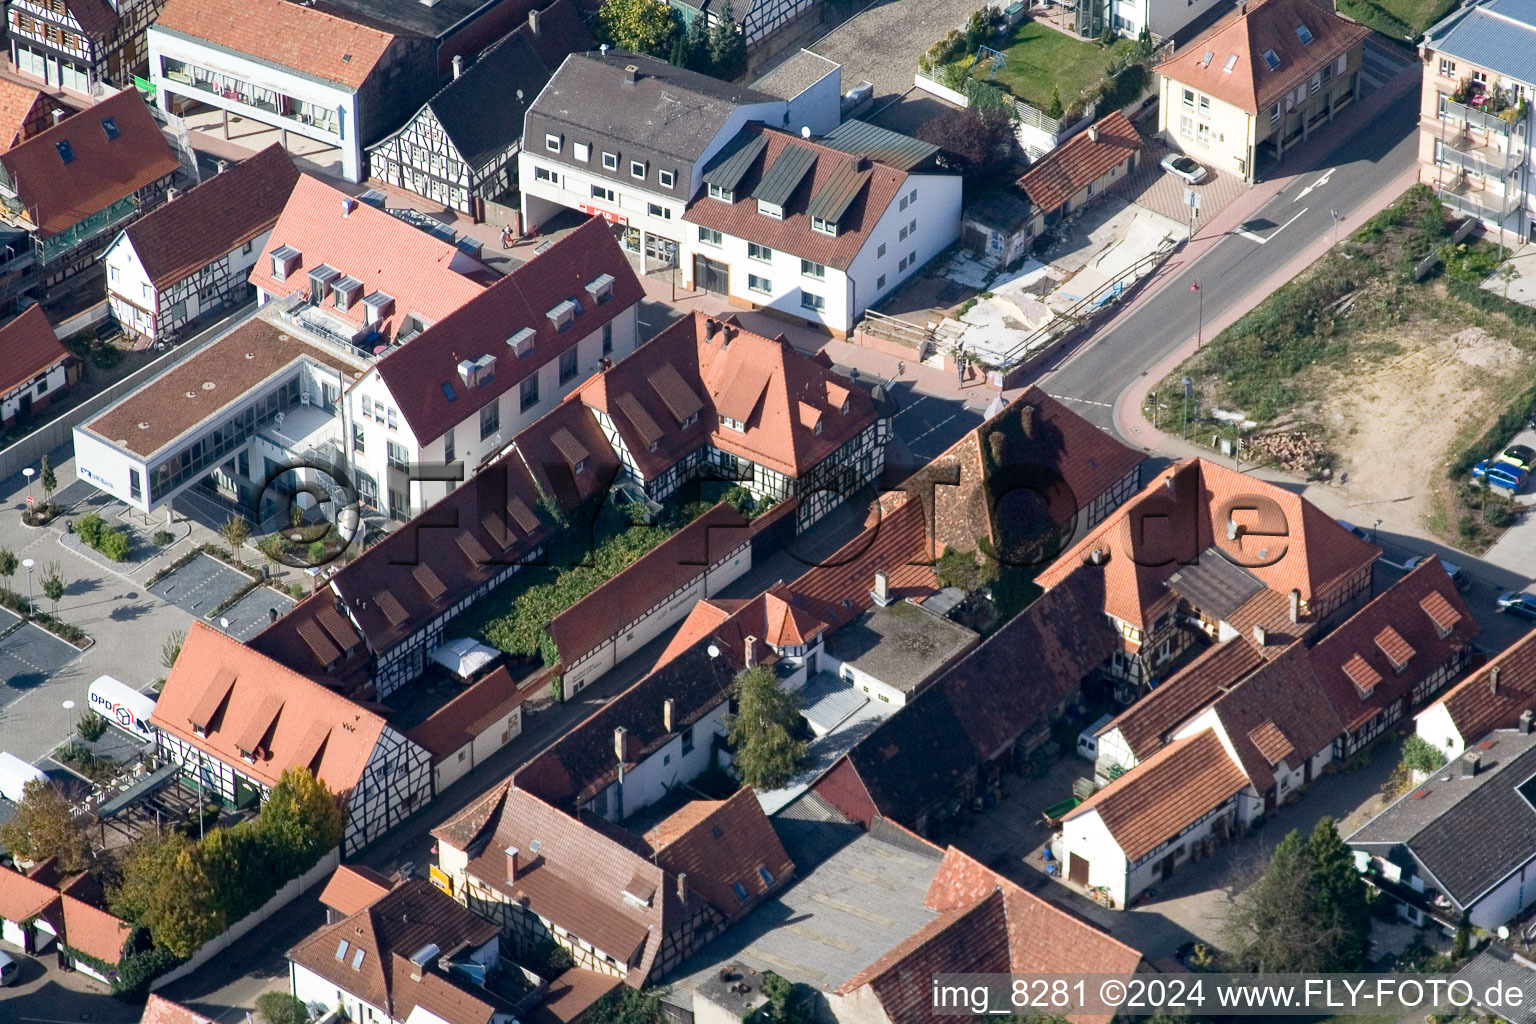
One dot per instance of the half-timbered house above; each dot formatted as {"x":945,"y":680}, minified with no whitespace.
{"x":194,"y":257}
{"x":25,"y":112}
{"x":35,"y":367}
{"x":80,"y":44}
{"x":234,"y":720}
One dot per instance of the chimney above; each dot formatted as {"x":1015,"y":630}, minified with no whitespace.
{"x":1493,"y":681}
{"x":1526,"y":718}
{"x":1471,"y":761}
{"x":631,"y":74}
{"x":272,"y":614}
{"x":1295,"y":607}
{"x":1231,"y":529}
{"x":668,"y":714}
{"x":59,"y":114}
{"x":171,"y":194}
{"x":749,"y":651}
{"x":458,"y":65}
{"x":619,"y":735}
{"x":682,"y":887}
{"x":511,"y":864}
{"x":1260,"y":635}
{"x":533,"y":23}
{"x":220,"y":166}
{"x":348,"y":204}
{"x":1093,"y":133}
{"x":882,"y":591}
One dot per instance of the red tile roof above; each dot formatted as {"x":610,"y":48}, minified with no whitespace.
{"x":291,"y":36}
{"x":1146,"y":724}
{"x":1278,"y":712}
{"x":56,"y":194}
{"x":1284,"y":540}
{"x":1169,"y":791}
{"x":22,"y":898}
{"x":1268,"y":25}
{"x":793,"y":233}
{"x":28,"y":347}
{"x":485,"y":702}
{"x":18,"y":105}
{"x":1071,"y":167}
{"x":215,"y":218}
{"x":416,"y":373}
{"x":426,"y":276}
{"x":352,"y":887}
{"x":1477,"y":705}
{"x":570,"y":994}
{"x":227,"y":686}
{"x":720,"y":844}
{"x":717,"y":368}
{"x":89,"y":929}
{"x":160,"y":1010}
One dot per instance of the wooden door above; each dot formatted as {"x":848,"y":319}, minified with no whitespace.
{"x":1077,"y":869}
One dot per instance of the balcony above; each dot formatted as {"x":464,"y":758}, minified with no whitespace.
{"x":239,"y":91}
{"x":1486,"y":205}
{"x":1476,"y":117}
{"x":1486,"y":161}
{"x":358,"y":342}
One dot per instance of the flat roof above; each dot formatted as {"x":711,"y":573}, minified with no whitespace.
{"x":432,"y":20}
{"x":190,"y":392}
{"x":795,"y":75}
{"x":902,"y":644}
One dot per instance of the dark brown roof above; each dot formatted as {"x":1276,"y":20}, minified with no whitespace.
{"x":28,"y":347}
{"x":720,"y":844}
{"x":94,"y":17}
{"x":1278,"y":712}
{"x":102,"y":168}
{"x":1477,"y":705}
{"x":214,"y":218}
{"x":1071,"y":167}
{"x":483,"y":703}
{"x":570,"y":994}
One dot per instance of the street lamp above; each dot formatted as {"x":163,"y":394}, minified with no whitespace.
{"x":1374,"y":525}
{"x":31,"y":606}
{"x":69,"y":706}
{"x":1199,"y":323}
{"x":29,"y":472}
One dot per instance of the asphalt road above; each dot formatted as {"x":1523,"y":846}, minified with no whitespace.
{"x":1092,"y":378}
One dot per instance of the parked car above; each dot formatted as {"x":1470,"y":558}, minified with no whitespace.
{"x":1360,"y":532}
{"x":1519,"y":603}
{"x":1450,"y":567}
{"x":1522,"y":455}
{"x":1182,"y":166}
{"x":1500,"y":474}
{"x":10,"y":970}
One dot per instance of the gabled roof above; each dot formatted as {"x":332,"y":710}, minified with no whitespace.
{"x":722,"y":844}
{"x":716,"y":368}
{"x":808,"y":179}
{"x":353,"y":887}
{"x":1269,"y":26}
{"x":1071,"y":167}
{"x":425,"y":275}
{"x":17,"y":103}
{"x":28,"y":347}
{"x":482,"y":704}
{"x":226,"y":686}
{"x":1339,"y":659}
{"x":213,"y":219}
{"x":1172,"y":789}
{"x":1494,"y":696}
{"x":160,"y":1010}
{"x":1277,"y":713}
{"x":485,"y":324}
{"x":95,"y":18}
{"x":295,"y":37}
{"x":915,"y":762}
{"x":369,"y":952}
{"x":482,"y":110}
{"x":88,"y":929}
{"x":1499,"y":35}
{"x":1146,"y":724}
{"x":102,"y":167}
{"x":1284,"y":540}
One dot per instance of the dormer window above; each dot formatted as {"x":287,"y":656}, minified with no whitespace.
{"x":1304,"y":34}
{"x":563,"y":315}
{"x":582,"y":151}
{"x":725,"y":195}
{"x":610,"y":161}
{"x":378,"y":306}
{"x":1272,"y":59}
{"x":637,"y":169}
{"x":824,"y":226}
{"x":522,"y":341}
{"x":552,"y":142}
{"x":773,"y":210}
{"x":600,"y":288}
{"x":320,"y":280}
{"x":845,"y":407}
{"x":285,"y":260}
{"x":688,"y":421}
{"x":737,"y":425}
{"x":666,"y":179}
{"x":347,"y":291}
{"x":817,"y":428}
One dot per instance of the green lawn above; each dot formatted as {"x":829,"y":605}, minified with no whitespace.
{"x":1396,"y":18}
{"x":1041,"y":59}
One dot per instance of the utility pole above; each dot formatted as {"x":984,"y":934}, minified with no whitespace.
{"x":1200,"y":315}
{"x":1189,"y":389}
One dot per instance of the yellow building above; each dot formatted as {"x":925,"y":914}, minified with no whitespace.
{"x":1260,"y":83}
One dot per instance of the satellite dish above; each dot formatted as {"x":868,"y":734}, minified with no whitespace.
{"x":224,"y":622}
{"x":713,"y":651}
{"x":805,"y":131}
{"x":1503,"y":932}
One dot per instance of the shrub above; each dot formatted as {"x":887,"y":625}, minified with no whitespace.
{"x":1422,"y":756}
{"x":282,"y":1008}
{"x":91,"y":727}
{"x":89,"y":528}
{"x":163,"y":538}
{"x":296,"y":591}
{"x":136,"y":970}
{"x":107,"y":357}
{"x":116,"y":545}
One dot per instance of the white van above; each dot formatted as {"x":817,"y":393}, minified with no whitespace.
{"x":10,"y":970}
{"x":1088,"y":739}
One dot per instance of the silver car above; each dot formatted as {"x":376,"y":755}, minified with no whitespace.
{"x":1182,"y":166}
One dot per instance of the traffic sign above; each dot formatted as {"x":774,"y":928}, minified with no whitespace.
{"x":1192,"y":199}
{"x":29,"y":499}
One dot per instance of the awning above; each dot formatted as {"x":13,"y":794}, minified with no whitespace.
{"x":463,"y":657}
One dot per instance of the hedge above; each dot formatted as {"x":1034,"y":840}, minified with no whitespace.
{"x":1510,"y":422}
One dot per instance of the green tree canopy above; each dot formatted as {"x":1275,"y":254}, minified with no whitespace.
{"x":182,"y":913}
{"x":967,"y":570}
{"x":727,"y":46}
{"x":303,"y":818}
{"x":762,"y":732}
{"x":44,"y":826}
{"x":147,"y":861}
{"x":642,"y":26}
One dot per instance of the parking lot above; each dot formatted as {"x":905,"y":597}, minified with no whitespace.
{"x":251,"y":614}
{"x":201,"y":585}
{"x":29,"y":655}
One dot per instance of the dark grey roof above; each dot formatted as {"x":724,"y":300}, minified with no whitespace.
{"x":1214,"y":585}
{"x":1499,"y":35}
{"x":731,"y":164}
{"x":903,"y":645}
{"x":411,"y":15}
{"x":811,"y":830}
{"x":481,"y":110}
{"x":1496,"y":965}
{"x":797,"y":74}
{"x":1468,"y":833}
{"x":890,"y":148}
{"x":839,"y":191}
{"x":779,"y":182}
{"x":668,"y":117}
{"x":1002,"y":208}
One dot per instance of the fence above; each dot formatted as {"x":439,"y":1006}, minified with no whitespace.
{"x":287,"y":894}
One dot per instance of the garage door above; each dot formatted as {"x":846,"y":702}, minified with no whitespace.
{"x":711,"y":275}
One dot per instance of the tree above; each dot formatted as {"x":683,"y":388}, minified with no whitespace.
{"x":625,"y":1005}
{"x":727,"y":46}
{"x":9,"y":563}
{"x":1507,"y":273}
{"x":235,"y":531}
{"x":53,"y":585}
{"x":967,"y":570}
{"x":44,"y":826}
{"x":762,"y":730}
{"x":979,"y":142}
{"x":47,"y":478}
{"x":642,"y":26}
{"x":182,"y":913}
{"x":1306,"y":913}
{"x":1419,"y":755}
{"x":1056,"y":109}
{"x":147,"y":863}
{"x":302,"y":818}
{"x":786,"y":1004}
{"x":696,"y":46}
{"x":282,"y":1008}
{"x":170,"y":650}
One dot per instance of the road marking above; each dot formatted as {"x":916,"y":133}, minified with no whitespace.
{"x":1256,"y":238}
{"x":1083,"y":401}
{"x":1319,"y":183}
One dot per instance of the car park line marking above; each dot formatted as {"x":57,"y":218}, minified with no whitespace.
{"x":1261,"y":240}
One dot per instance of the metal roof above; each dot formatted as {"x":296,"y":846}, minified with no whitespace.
{"x":1499,"y":35}
{"x":839,"y":192}
{"x":788,"y":171}
{"x":1214,"y":585}
{"x":732,"y":163}
{"x":890,"y":148}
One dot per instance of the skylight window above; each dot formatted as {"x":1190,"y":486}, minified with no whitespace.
{"x":341,"y":950}
{"x":1230,"y":64}
{"x":1272,"y":59}
{"x":109,"y":125}
{"x":357,"y":959}
{"x":1304,"y":34}
{"x":1205,"y":61}
{"x":448,"y":392}
{"x":66,"y":151}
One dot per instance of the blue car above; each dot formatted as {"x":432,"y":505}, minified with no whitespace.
{"x":1501,"y":474}
{"x":1518,"y":603}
